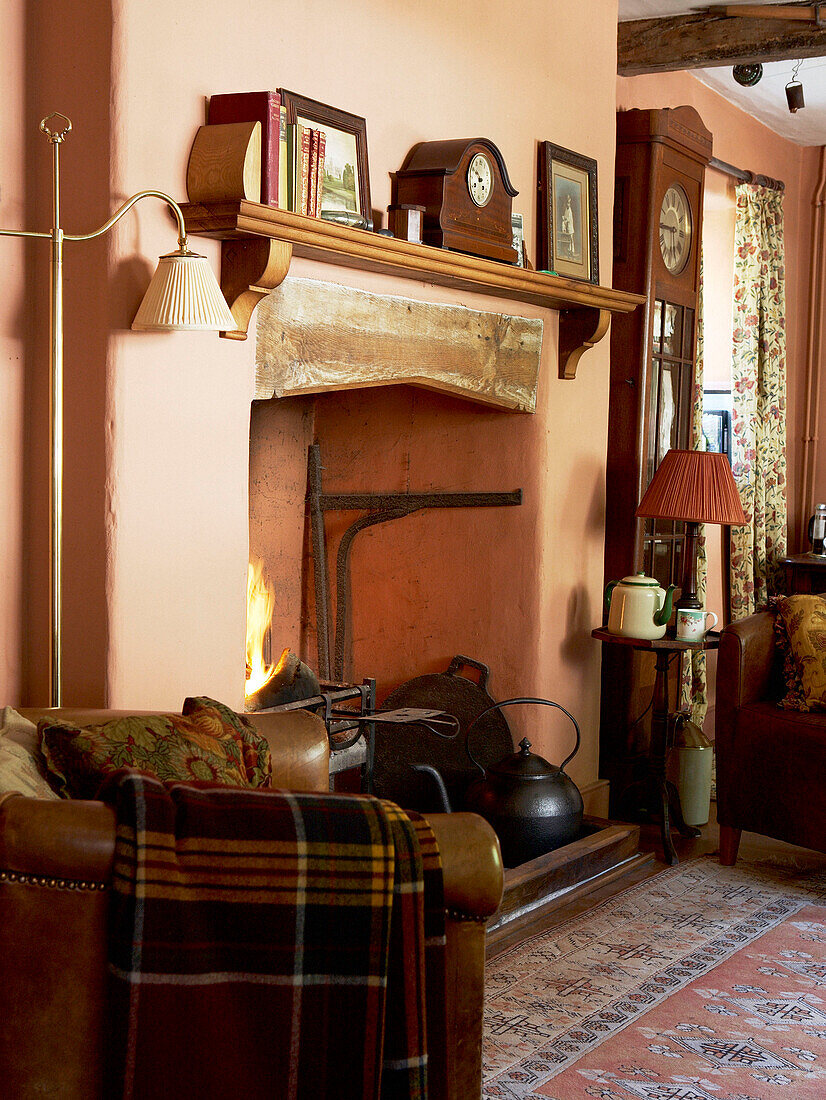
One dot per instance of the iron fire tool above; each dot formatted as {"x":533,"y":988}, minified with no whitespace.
{"x":381,"y":508}
{"x":437,"y":722}
{"x":339,"y":720}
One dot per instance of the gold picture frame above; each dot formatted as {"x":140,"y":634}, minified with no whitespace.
{"x":568,"y":230}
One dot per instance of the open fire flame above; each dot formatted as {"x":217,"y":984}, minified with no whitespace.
{"x":260,"y":599}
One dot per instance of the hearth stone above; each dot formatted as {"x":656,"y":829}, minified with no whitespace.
{"x":604,"y":850}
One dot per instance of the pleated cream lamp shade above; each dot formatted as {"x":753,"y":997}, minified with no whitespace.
{"x":184,"y":294}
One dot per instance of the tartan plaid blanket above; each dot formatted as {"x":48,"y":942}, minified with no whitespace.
{"x":268,"y":943}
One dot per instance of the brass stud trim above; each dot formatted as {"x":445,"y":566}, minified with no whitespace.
{"x":457,"y":914}
{"x":50,"y":883}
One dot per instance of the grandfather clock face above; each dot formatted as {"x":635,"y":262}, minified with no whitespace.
{"x":675,"y":229}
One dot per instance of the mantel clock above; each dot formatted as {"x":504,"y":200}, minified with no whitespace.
{"x":467,"y":194}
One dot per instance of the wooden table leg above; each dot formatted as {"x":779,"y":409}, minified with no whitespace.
{"x":658,"y":751}
{"x":664,"y":792}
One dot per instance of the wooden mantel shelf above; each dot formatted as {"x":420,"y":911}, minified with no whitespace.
{"x":258,"y":243}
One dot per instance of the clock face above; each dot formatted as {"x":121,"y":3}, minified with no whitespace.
{"x":675,"y":229}
{"x":480,"y":179}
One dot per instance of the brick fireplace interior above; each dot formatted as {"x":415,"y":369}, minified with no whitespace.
{"x":486,"y":582}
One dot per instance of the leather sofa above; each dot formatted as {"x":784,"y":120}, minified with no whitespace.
{"x":56,"y":861}
{"x":771,"y":762}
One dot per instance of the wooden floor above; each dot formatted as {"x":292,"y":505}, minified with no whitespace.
{"x":751,"y":846}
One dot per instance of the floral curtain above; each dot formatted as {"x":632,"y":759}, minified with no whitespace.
{"x":693,"y":696}
{"x":758,"y":397}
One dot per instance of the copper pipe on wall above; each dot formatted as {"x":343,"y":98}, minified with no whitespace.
{"x":814,"y":356}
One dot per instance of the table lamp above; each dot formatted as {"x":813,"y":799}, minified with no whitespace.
{"x":695,"y":487}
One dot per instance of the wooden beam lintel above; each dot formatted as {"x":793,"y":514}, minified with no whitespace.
{"x":319,"y":337}
{"x":709,"y":40}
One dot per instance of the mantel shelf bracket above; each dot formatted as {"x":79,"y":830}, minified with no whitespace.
{"x":258,"y":243}
{"x":250,"y":269}
{"x":579,"y":329}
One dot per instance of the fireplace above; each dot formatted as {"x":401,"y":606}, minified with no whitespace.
{"x":404,"y":577}
{"x":513,"y":585}
{"x":429,"y":585}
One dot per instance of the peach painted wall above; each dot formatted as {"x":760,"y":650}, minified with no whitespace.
{"x":41,"y":75}
{"x":12,"y":357}
{"x":740,"y":140}
{"x":718,"y":260}
{"x":520,"y":589}
{"x":814,"y":491}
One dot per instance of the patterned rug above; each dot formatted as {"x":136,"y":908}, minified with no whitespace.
{"x":702,"y":983}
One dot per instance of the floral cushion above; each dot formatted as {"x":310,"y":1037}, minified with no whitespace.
{"x":21,"y":765}
{"x":795,"y":698}
{"x":804,"y":621}
{"x":207,"y":742}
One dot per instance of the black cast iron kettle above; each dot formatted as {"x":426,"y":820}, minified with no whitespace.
{"x":533,"y":806}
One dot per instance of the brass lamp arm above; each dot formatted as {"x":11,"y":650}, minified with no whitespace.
{"x":21,"y":233}
{"x":128,"y":206}
{"x":179,"y":215}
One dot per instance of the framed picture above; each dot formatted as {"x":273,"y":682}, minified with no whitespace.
{"x":518,"y":238}
{"x":346,"y":181}
{"x":568,"y":242}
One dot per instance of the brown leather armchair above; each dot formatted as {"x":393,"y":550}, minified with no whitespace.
{"x":56,"y":862}
{"x":771,"y":763}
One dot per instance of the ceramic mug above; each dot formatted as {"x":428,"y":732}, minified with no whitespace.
{"x":691,"y":624}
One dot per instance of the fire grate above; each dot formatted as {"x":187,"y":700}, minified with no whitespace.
{"x":346,"y":709}
{"x":349,"y":713}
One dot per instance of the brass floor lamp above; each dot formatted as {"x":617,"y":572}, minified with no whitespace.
{"x":183,"y":294}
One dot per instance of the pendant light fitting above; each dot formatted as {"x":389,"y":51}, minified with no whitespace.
{"x":794,"y":91}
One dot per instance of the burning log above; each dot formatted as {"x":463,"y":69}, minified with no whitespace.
{"x":291,"y":680}
{"x":270,"y":686}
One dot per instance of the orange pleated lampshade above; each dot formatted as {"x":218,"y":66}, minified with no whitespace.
{"x":696,"y":486}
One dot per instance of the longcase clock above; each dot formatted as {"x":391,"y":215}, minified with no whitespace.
{"x":658,"y":213}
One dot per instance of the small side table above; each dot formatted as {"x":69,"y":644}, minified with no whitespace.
{"x":662,"y":791}
{"x":805,"y":573}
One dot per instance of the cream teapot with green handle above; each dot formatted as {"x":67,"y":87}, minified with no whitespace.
{"x":638,"y":607}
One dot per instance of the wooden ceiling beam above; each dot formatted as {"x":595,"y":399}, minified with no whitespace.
{"x":708,"y":39}
{"x":805,"y":13}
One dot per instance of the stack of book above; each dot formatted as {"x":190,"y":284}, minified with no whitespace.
{"x":292,"y":155}
{"x":303,"y":153}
